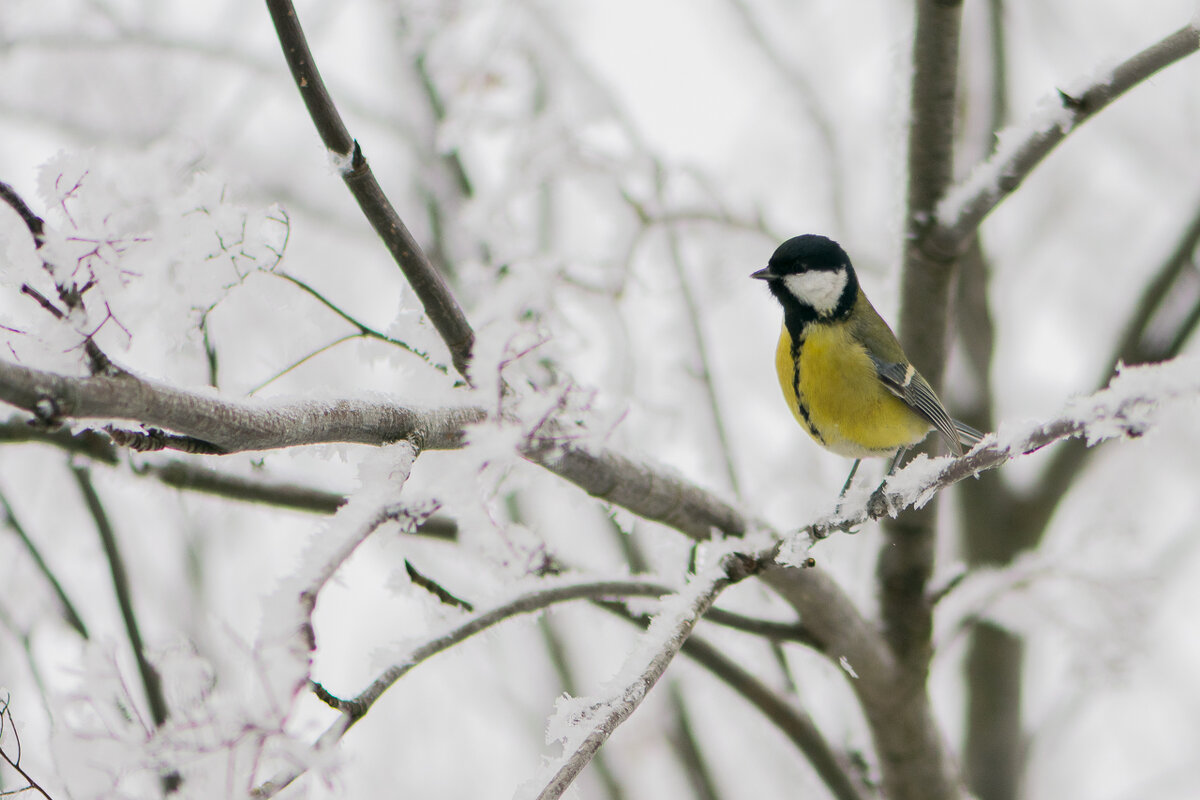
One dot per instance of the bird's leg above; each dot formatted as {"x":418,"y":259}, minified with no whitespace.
{"x":846,"y":488}
{"x":896,"y":461}
{"x":849,"y":478}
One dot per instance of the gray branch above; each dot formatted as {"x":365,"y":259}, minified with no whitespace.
{"x":957,"y":219}
{"x":230,"y":426}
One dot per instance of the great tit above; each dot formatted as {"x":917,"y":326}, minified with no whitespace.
{"x":843,"y":374}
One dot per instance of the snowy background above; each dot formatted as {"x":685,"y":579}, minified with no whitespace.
{"x":627,"y":165}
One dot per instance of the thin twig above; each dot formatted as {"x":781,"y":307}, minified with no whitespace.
{"x":363,"y":328}
{"x":151,"y":682}
{"x":68,"y":608}
{"x":15,"y":761}
{"x":431,"y":289}
{"x":692,"y":312}
{"x":311,"y":354}
{"x":35,"y":224}
{"x":805,"y":93}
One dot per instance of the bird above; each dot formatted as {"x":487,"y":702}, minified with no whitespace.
{"x":843,"y":373}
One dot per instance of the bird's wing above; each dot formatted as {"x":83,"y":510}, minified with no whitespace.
{"x":905,"y":382}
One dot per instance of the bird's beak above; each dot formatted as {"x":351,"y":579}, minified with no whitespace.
{"x":763,"y":274}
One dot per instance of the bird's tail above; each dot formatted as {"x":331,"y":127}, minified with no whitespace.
{"x":967,"y":436}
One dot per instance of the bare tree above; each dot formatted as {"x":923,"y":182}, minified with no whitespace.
{"x":488,"y":428}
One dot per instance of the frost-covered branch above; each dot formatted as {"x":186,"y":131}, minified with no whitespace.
{"x":229,"y":426}
{"x":787,"y":715}
{"x":964,"y":207}
{"x":645,"y":489}
{"x":431,"y":289}
{"x":1125,"y":409}
{"x":547,"y":594}
{"x":288,"y":637}
{"x":588,"y":724}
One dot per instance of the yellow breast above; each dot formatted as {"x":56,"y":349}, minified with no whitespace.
{"x":830,"y":385}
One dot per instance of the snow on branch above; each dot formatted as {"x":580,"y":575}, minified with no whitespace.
{"x":585,"y":724}
{"x":1022,"y":148}
{"x":288,"y":638}
{"x":228,"y":426}
{"x":648,"y":490}
{"x":1126,"y":408}
{"x":548,"y":591}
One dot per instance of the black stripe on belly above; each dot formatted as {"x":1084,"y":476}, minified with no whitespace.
{"x":797,"y":343}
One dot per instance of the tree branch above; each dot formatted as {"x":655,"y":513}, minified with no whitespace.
{"x":431,"y":289}
{"x":960,"y":213}
{"x":68,"y":608}
{"x":354,"y":709}
{"x":667,"y":634}
{"x":797,"y":725}
{"x":363,"y":328}
{"x":229,"y":425}
{"x":915,"y":763}
{"x":1035,"y":508}
{"x":15,"y":761}
{"x":151,"y":681}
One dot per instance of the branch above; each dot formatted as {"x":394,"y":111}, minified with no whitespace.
{"x":232,"y":426}
{"x":197,"y":478}
{"x":431,"y":289}
{"x":692,"y":312}
{"x":961,"y":211}
{"x":288,"y":637}
{"x":35,"y":224}
{"x":914,"y":761}
{"x":151,"y":681}
{"x":354,"y":709}
{"x":68,"y":608}
{"x":363,"y":328}
{"x":647,"y":490}
{"x":228,"y":425}
{"x":15,"y":762}
{"x":797,"y":725}
{"x":92,"y":444}
{"x":1124,"y":409}
{"x":188,"y":475}
{"x":666,"y":636}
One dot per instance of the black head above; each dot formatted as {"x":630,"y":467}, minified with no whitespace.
{"x":812,"y":278}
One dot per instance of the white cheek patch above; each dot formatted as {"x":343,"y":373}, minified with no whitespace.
{"x":820,"y":288}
